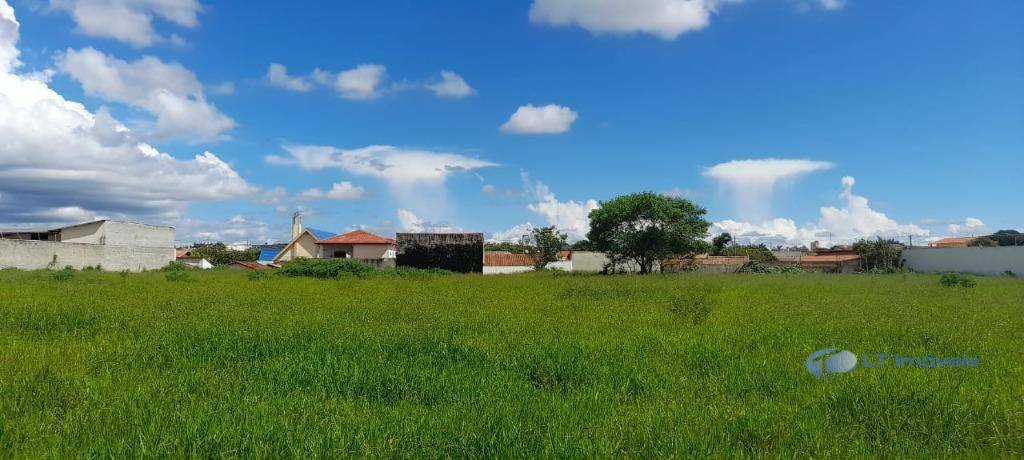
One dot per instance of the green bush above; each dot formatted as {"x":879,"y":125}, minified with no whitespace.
{"x":178,"y":276}
{"x":954,"y":279}
{"x":63,"y":275}
{"x":759,"y":267}
{"x":326,"y":268}
{"x":175,"y":266}
{"x":758,"y":253}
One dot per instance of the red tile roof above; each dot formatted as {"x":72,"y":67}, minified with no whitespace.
{"x":507,"y":259}
{"x":958,"y":241}
{"x":182,"y":253}
{"x":357,"y":237}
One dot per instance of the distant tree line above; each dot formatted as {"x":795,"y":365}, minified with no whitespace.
{"x":1000,"y":238}
{"x":220,"y":254}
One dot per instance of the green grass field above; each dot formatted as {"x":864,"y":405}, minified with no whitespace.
{"x":103,"y":364}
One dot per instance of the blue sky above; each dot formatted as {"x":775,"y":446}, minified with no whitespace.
{"x":890,"y":118}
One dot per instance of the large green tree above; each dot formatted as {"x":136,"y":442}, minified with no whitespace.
{"x":545,"y":244}
{"x":648,"y":227}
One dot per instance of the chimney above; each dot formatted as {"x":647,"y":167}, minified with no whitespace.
{"x":296,"y":225}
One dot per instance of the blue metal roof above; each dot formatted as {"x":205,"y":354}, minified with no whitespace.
{"x":268,"y":254}
{"x":320,"y":234}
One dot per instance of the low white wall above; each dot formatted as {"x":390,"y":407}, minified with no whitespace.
{"x":498,"y":270}
{"x":979,"y":261}
{"x":565,"y":265}
{"x":589,"y":261}
{"x":35,"y":255}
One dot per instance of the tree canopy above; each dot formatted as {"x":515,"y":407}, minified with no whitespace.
{"x":648,"y":227}
{"x":721,"y":241}
{"x":546,"y":242}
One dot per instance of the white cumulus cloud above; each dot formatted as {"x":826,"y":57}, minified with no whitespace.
{"x":451,"y":86}
{"x":512,"y":235}
{"x":235,"y":230}
{"x":548,"y":119}
{"x":341,"y":191}
{"x":360,"y":82}
{"x":970,"y":225}
{"x":129,"y":21}
{"x":395,"y":165}
{"x":667,"y":19}
{"x":752,"y":182}
{"x":58,"y":161}
{"x":571,"y":217}
{"x":168,"y":91}
{"x":410,"y":222}
{"x":415,"y":177}
{"x":278,"y":76}
{"x":366,"y":82}
{"x":853,"y":220}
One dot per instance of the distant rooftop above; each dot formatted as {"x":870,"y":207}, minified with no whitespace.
{"x":356,"y":237}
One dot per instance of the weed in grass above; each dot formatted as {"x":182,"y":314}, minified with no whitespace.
{"x":258,"y":275}
{"x":65,"y":274}
{"x":954,"y":279}
{"x":693,"y":305}
{"x":179,"y":276}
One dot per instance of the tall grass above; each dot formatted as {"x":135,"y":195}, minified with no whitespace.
{"x":533,"y":365}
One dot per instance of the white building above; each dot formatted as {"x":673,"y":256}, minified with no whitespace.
{"x":311,"y":243}
{"x":184,"y":256}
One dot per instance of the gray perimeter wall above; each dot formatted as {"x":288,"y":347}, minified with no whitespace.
{"x":34,"y":255}
{"x":979,"y":261}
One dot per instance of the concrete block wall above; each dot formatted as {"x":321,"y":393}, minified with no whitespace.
{"x":37,"y":255}
{"x":979,"y":261}
{"x":138,"y":235}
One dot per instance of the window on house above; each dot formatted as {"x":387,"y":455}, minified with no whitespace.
{"x":339,"y":254}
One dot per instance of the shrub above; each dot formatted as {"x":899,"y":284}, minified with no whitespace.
{"x":687,"y":267}
{"x":760,"y":253}
{"x":63,"y":275}
{"x":178,"y":276}
{"x":759,"y":267}
{"x":412,"y":272}
{"x":175,"y":266}
{"x":879,"y":254}
{"x":954,"y":279}
{"x":326,"y":268}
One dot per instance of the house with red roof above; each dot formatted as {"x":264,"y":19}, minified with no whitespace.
{"x":311,"y":243}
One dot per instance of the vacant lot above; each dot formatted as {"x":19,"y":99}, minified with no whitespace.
{"x":529,"y":365}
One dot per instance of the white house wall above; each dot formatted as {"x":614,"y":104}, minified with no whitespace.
{"x":372,"y":251}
